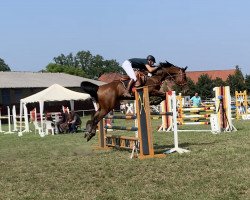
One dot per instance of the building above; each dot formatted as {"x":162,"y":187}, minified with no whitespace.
{"x":17,"y":85}
{"x":213,"y":74}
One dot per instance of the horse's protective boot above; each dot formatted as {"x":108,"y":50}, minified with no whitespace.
{"x":128,"y":89}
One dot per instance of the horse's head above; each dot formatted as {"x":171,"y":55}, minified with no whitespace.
{"x":173,"y":73}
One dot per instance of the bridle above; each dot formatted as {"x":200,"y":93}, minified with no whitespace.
{"x":173,"y":77}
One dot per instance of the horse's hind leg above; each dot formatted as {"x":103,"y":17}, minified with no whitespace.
{"x":94,"y":122}
{"x":88,"y":127}
{"x":89,"y":124}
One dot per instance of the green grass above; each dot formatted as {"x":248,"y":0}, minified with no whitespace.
{"x":67,"y":167}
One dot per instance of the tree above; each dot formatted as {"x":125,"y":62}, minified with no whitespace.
{"x":94,"y":66}
{"x":236,"y":81}
{"x":204,"y":86}
{"x":190,"y":88}
{"x":4,"y":66}
{"x":83,"y":64}
{"x":247,"y":83}
{"x":52,"y":67}
{"x":218,"y":82}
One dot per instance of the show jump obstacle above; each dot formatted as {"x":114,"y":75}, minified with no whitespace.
{"x":241,"y":103}
{"x":222,"y":119}
{"x":218,"y":115}
{"x":143,"y":141}
{"x":11,"y":119}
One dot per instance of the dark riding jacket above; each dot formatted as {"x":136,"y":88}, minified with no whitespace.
{"x":138,"y":63}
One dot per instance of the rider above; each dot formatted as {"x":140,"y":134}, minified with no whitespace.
{"x":137,"y":64}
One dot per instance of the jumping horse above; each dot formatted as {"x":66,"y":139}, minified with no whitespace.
{"x":108,"y":96}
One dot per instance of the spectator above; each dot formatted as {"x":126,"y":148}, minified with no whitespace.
{"x":62,"y":124}
{"x":74,"y":122}
{"x":195,"y":101}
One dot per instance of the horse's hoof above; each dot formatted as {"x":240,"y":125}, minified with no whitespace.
{"x":90,"y":136}
{"x":87,"y":134}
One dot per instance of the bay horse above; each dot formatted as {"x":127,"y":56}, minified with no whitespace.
{"x":108,"y":96}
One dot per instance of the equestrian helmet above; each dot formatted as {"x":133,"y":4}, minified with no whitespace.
{"x":152,"y":58}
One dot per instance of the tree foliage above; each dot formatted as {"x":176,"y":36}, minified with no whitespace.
{"x":190,"y":88}
{"x":218,"y":82}
{"x":52,"y":67}
{"x":236,"y":82}
{"x":4,"y":66}
{"x":83,"y":64}
{"x":204,"y":86}
{"x":247,"y":83}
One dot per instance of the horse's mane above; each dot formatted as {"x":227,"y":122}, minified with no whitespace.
{"x":166,"y":64}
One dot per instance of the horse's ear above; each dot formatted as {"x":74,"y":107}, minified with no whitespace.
{"x":165,"y":64}
{"x":168,"y":63}
{"x":185,"y":68}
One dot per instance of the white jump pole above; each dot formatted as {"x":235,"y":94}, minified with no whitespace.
{"x":1,"y":122}
{"x":9,"y":124}
{"x":14,"y":118}
{"x":176,"y":142}
{"x":26,"y":120}
{"x":134,"y":152}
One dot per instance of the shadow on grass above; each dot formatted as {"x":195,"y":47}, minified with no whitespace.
{"x":185,"y":145}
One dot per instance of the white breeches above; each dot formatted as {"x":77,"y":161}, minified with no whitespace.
{"x":126,"y":65}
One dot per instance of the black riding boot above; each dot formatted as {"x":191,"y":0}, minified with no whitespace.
{"x":128,"y":89}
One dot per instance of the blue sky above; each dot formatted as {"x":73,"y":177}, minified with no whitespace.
{"x":200,"y":34}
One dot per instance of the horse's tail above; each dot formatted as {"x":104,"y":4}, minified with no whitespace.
{"x":90,"y":88}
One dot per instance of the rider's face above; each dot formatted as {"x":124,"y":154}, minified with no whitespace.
{"x":150,"y":62}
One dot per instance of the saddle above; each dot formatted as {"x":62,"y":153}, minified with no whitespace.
{"x":140,"y":76}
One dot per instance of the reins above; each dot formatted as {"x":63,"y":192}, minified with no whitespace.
{"x":176,"y":75}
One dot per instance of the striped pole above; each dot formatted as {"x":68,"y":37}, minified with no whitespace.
{"x":121,"y":117}
{"x":197,"y":116}
{"x":122,"y":128}
{"x":194,"y":123}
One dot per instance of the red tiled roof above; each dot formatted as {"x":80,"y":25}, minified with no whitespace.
{"x":194,"y":75}
{"x":213,"y":74}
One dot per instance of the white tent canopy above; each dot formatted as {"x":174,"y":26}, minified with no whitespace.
{"x":53,"y":93}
